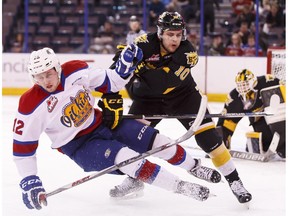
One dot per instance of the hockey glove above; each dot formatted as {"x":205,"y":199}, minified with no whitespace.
{"x":112,"y":109}
{"x":129,"y":58}
{"x":119,"y":47}
{"x":33,"y":193}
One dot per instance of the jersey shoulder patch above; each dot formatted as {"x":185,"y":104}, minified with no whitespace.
{"x":73,"y":66}
{"x":31,"y":99}
{"x":186,"y":55}
{"x":141,"y":39}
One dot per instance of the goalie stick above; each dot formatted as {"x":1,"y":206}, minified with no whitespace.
{"x":185,"y":116}
{"x":254,"y":156}
{"x":187,"y":135}
{"x":259,"y":157}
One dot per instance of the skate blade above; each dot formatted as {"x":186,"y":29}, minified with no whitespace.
{"x":246,"y":205}
{"x":133,"y":195}
{"x":212,"y":195}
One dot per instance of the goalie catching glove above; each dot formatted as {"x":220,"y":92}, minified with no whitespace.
{"x":112,"y":109}
{"x":128,"y":59}
{"x":33,"y":193}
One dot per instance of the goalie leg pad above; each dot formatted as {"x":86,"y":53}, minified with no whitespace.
{"x":280,"y":128}
{"x":266,"y":136}
{"x":254,"y":142}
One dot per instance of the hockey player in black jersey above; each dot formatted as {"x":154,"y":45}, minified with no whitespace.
{"x":163,"y":84}
{"x":253,"y":94}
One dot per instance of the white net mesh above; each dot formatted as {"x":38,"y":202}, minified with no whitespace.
{"x":278,"y":65}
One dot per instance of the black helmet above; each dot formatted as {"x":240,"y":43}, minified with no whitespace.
{"x":171,"y":21}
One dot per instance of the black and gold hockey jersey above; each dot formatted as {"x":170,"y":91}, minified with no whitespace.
{"x":235,"y":104}
{"x":168,"y":76}
{"x":166,"y":87}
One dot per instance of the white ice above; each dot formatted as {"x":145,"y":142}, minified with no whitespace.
{"x":266,"y":182}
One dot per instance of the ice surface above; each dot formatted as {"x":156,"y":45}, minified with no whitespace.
{"x":266,"y":182}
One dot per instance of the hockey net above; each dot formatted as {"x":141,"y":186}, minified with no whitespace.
{"x":276,"y":63}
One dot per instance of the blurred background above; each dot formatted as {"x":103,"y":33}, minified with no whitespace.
{"x":229,"y":36}
{"x":215,"y":27}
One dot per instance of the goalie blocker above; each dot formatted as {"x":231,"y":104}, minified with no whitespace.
{"x":274,"y":100}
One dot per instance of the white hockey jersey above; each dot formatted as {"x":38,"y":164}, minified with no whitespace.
{"x":62,"y":115}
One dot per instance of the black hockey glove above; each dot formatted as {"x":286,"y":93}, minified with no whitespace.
{"x":112,"y":109}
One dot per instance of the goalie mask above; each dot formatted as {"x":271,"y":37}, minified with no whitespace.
{"x":245,"y":81}
{"x":171,"y":21}
{"x":43,"y":60}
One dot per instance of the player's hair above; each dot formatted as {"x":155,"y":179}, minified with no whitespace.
{"x":245,"y":82}
{"x":43,"y":60}
{"x":171,"y":21}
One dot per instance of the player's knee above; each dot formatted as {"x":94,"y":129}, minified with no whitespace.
{"x":208,"y":139}
{"x":165,"y":154}
{"x":132,"y":168}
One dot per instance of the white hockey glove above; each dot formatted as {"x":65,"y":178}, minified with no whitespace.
{"x":33,"y":193}
{"x":129,"y":58}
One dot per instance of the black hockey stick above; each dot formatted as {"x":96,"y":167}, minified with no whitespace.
{"x":187,"y":135}
{"x":186,"y":116}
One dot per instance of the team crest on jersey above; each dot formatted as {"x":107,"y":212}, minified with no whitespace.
{"x":51,"y":103}
{"x":107,"y":153}
{"x":77,"y":111}
{"x":192,"y":58}
{"x":141,"y":39}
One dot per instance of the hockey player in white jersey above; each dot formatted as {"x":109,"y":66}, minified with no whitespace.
{"x":61,"y":104}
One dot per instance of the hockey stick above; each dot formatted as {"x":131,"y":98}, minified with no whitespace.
{"x":186,"y":116}
{"x":187,"y":135}
{"x":248,"y":156}
{"x":259,"y":157}
{"x":254,"y":156}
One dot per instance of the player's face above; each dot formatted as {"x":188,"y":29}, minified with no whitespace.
{"x":48,"y":80}
{"x":171,"y":40}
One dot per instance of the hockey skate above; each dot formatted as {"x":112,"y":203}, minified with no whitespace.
{"x":193,"y":190}
{"x":205,"y":173}
{"x":130,"y":188}
{"x":240,"y":192}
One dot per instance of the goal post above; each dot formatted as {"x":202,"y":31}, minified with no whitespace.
{"x":276,"y":65}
